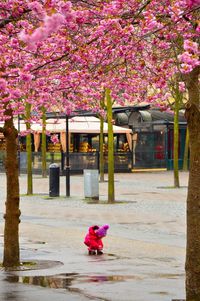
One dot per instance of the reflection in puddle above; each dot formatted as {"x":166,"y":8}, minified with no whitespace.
{"x":168,"y":276}
{"x":160,"y":293}
{"x":57,"y":281}
{"x":33,"y":265}
{"x":64,"y":280}
{"x":106,"y":257}
{"x":71,"y":281}
{"x":109,"y":278}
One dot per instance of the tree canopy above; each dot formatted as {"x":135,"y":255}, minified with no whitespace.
{"x":62,"y":54}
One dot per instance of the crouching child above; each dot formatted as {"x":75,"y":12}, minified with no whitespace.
{"x":93,"y":239}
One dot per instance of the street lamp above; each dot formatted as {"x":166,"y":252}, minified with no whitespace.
{"x":67,"y":167}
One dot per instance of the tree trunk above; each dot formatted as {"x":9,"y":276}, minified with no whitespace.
{"x":29,"y":165}
{"x":111,"y":188}
{"x":101,"y":161}
{"x":176,"y":138}
{"x":44,"y":147}
{"x":29,"y":153}
{"x":11,"y":256}
{"x":186,"y":151}
{"x":193,"y":197}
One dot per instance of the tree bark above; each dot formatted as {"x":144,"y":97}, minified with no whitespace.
{"x":11,"y":256}
{"x":111,"y":188}
{"x":44,"y":148}
{"x":29,"y":165}
{"x":101,"y":160}
{"x":193,"y":197}
{"x":29,"y":153}
{"x":186,"y":151}
{"x":176,"y":138}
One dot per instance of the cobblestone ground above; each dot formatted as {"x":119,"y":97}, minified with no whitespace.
{"x":144,"y":250}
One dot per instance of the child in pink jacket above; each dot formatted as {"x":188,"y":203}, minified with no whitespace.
{"x":93,"y":239}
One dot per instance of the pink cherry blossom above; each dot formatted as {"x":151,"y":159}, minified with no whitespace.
{"x":193,"y":2}
{"x":3,"y":85}
{"x":54,"y":139}
{"x":37,"y":8}
{"x":190,"y":46}
{"x":26,"y":77}
{"x":182,"y":87}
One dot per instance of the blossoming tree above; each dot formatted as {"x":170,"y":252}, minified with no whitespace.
{"x":133,"y":48}
{"x":20,"y":86}
{"x":149,"y":42}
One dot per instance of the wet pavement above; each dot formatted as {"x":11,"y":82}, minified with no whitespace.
{"x":144,"y":251}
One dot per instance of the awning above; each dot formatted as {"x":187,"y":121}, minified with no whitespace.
{"x":84,"y":125}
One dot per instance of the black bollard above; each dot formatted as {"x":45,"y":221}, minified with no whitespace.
{"x":54,"y":180}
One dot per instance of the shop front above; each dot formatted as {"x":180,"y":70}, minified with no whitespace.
{"x":154,"y":142}
{"x":83,"y":141}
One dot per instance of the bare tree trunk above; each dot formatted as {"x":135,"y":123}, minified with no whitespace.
{"x":111,"y":188}
{"x":176,"y":138}
{"x":193,"y":197}
{"x":29,"y":153}
{"x":11,"y":256}
{"x":101,"y":160}
{"x":44,"y":148}
{"x":186,"y":151}
{"x":29,"y":165}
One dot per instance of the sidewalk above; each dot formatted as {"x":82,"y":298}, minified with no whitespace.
{"x":144,"y":250}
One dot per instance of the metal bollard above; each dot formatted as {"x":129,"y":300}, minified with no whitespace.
{"x":54,"y":180}
{"x":91,"y":184}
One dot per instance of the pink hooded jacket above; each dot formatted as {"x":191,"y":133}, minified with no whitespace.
{"x":92,"y":240}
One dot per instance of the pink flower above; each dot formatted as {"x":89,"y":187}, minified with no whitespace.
{"x":26,"y":77}
{"x":193,"y":2}
{"x":51,"y":25}
{"x":15,"y":93}
{"x":185,"y":68}
{"x":3,"y":85}
{"x":14,"y":43}
{"x":28,"y":67}
{"x":37,"y":8}
{"x":190,"y":46}
{"x":65,"y":7}
{"x":188,"y":59}
{"x":181,"y":87}
{"x":54,"y":139}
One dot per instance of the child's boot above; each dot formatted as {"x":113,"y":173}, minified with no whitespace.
{"x":99,"y":252}
{"x":91,"y":252}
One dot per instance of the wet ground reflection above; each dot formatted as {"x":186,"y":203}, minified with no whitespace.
{"x":32,"y":265}
{"x":65,"y":280}
{"x":77,"y":283}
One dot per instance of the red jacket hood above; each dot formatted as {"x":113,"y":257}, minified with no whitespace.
{"x":91,"y":230}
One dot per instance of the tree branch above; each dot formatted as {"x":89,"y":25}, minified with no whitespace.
{"x":4,"y":22}
{"x":131,"y":14}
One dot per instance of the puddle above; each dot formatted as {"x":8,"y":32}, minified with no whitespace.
{"x":160,"y":293}
{"x":65,"y":280}
{"x":33,"y":265}
{"x":105,"y":257}
{"x":68,"y":282}
{"x":36,"y":242}
{"x":103,"y":202}
{"x":128,"y":193}
{"x":171,"y":187}
{"x":168,"y":276}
